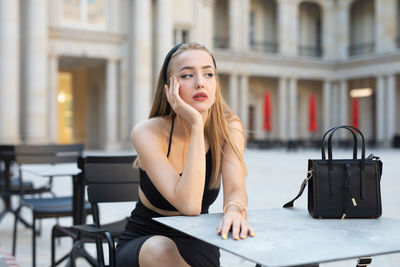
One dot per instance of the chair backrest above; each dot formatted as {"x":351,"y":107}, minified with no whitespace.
{"x":7,"y":153}
{"x":47,"y":154}
{"x":111,"y":179}
{"x":7,"y":156}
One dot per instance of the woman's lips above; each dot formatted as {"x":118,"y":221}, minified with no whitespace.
{"x":200,"y":96}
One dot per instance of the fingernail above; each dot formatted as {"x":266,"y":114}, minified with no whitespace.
{"x":252,"y":234}
{"x":224,"y":236}
{"x":165,"y":86}
{"x":218,"y":231}
{"x":235,"y":237}
{"x":242,"y":237}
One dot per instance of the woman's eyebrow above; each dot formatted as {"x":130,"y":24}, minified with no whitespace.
{"x":192,"y":68}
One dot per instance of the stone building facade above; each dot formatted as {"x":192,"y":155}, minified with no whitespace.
{"x":84,"y":70}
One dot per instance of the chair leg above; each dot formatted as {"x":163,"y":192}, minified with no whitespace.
{"x":111,"y":249}
{"x":39,"y":233}
{"x":14,"y":245}
{"x":73,"y":252}
{"x":53,"y":247}
{"x":33,"y":241}
{"x":99,"y":249}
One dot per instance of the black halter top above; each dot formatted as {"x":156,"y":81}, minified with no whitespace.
{"x":157,"y":200}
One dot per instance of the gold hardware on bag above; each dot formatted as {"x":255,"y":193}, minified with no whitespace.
{"x":309,"y":174}
{"x":354,"y":202}
{"x":343,"y":216}
{"x":364,"y":261}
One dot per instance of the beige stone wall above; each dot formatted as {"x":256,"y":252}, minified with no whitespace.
{"x":138,"y":33}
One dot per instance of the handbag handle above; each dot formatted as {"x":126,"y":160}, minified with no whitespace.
{"x":349,"y":128}
{"x":355,"y":145}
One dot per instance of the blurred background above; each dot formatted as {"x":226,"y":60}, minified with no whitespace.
{"x":84,"y":71}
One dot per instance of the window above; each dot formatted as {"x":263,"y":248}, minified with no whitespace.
{"x":221,"y":24}
{"x":181,"y":36}
{"x":252,"y":31}
{"x":84,"y":13}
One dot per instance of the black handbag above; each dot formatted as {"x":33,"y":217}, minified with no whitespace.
{"x":343,"y":188}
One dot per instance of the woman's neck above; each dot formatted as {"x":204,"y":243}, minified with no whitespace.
{"x":182,"y":125}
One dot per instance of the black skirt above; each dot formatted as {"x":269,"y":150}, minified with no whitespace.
{"x":141,"y":227}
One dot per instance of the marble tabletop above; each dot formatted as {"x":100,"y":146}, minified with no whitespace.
{"x":290,"y":237}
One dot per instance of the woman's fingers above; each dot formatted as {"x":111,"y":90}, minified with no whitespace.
{"x":175,"y":86}
{"x":236,"y":228}
{"x":251,"y":232}
{"x":235,"y":223}
{"x":172,"y":92}
{"x":219,"y":227}
{"x":244,"y":230}
{"x":226,"y":226}
{"x":166,"y":89}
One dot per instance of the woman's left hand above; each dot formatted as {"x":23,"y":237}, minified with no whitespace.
{"x":234,"y":219}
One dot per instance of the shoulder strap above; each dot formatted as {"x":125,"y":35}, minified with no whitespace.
{"x":302,"y":187}
{"x":170,"y":137}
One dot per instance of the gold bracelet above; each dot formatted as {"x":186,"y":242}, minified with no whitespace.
{"x":238,"y":204}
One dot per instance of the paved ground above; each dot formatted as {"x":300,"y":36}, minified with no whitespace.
{"x":274,"y":178}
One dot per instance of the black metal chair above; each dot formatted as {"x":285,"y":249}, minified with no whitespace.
{"x":9,"y":182}
{"x":49,"y":207}
{"x":109,"y":179}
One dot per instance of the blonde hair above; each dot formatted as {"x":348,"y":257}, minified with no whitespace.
{"x":216,"y":127}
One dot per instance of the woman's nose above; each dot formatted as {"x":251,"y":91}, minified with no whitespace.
{"x":199,"y":82}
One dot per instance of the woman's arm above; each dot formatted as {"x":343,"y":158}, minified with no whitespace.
{"x":184,"y":192}
{"x":234,"y":188}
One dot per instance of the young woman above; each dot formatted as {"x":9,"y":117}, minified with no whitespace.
{"x":190,"y":140}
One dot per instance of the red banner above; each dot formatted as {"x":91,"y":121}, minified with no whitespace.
{"x":267,"y":112}
{"x":312,"y":127}
{"x":355,"y":112}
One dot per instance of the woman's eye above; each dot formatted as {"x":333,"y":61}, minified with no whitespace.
{"x":186,"y":76}
{"x":209,"y":74}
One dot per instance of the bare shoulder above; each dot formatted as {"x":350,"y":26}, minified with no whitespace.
{"x":151,"y":130}
{"x":234,"y":124}
{"x":236,"y":130}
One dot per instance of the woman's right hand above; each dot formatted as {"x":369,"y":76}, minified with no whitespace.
{"x":189,"y":114}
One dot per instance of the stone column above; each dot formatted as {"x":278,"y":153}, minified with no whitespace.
{"x":245,"y":22}
{"x":293,"y":111}
{"x":141,"y":60}
{"x":328,"y":30}
{"x":343,"y":105}
{"x":283,"y":107}
{"x":53,"y":102}
{"x":9,"y":71}
{"x":288,"y":27}
{"x":233,"y":92}
{"x":334,"y":109}
{"x":164,"y":33}
{"x":326,"y":101}
{"x":380,"y":105}
{"x":385,"y":25}
{"x":111,"y":109}
{"x":207,"y":24}
{"x":244,"y":90}
{"x":234,"y":25}
{"x":391,"y":107}
{"x":35,"y":67}
{"x":342,"y":29}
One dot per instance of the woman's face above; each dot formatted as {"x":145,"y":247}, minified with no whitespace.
{"x":195,"y":72}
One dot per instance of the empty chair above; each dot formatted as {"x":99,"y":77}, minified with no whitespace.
{"x":49,"y":207}
{"x":9,"y":182}
{"x":109,"y":179}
